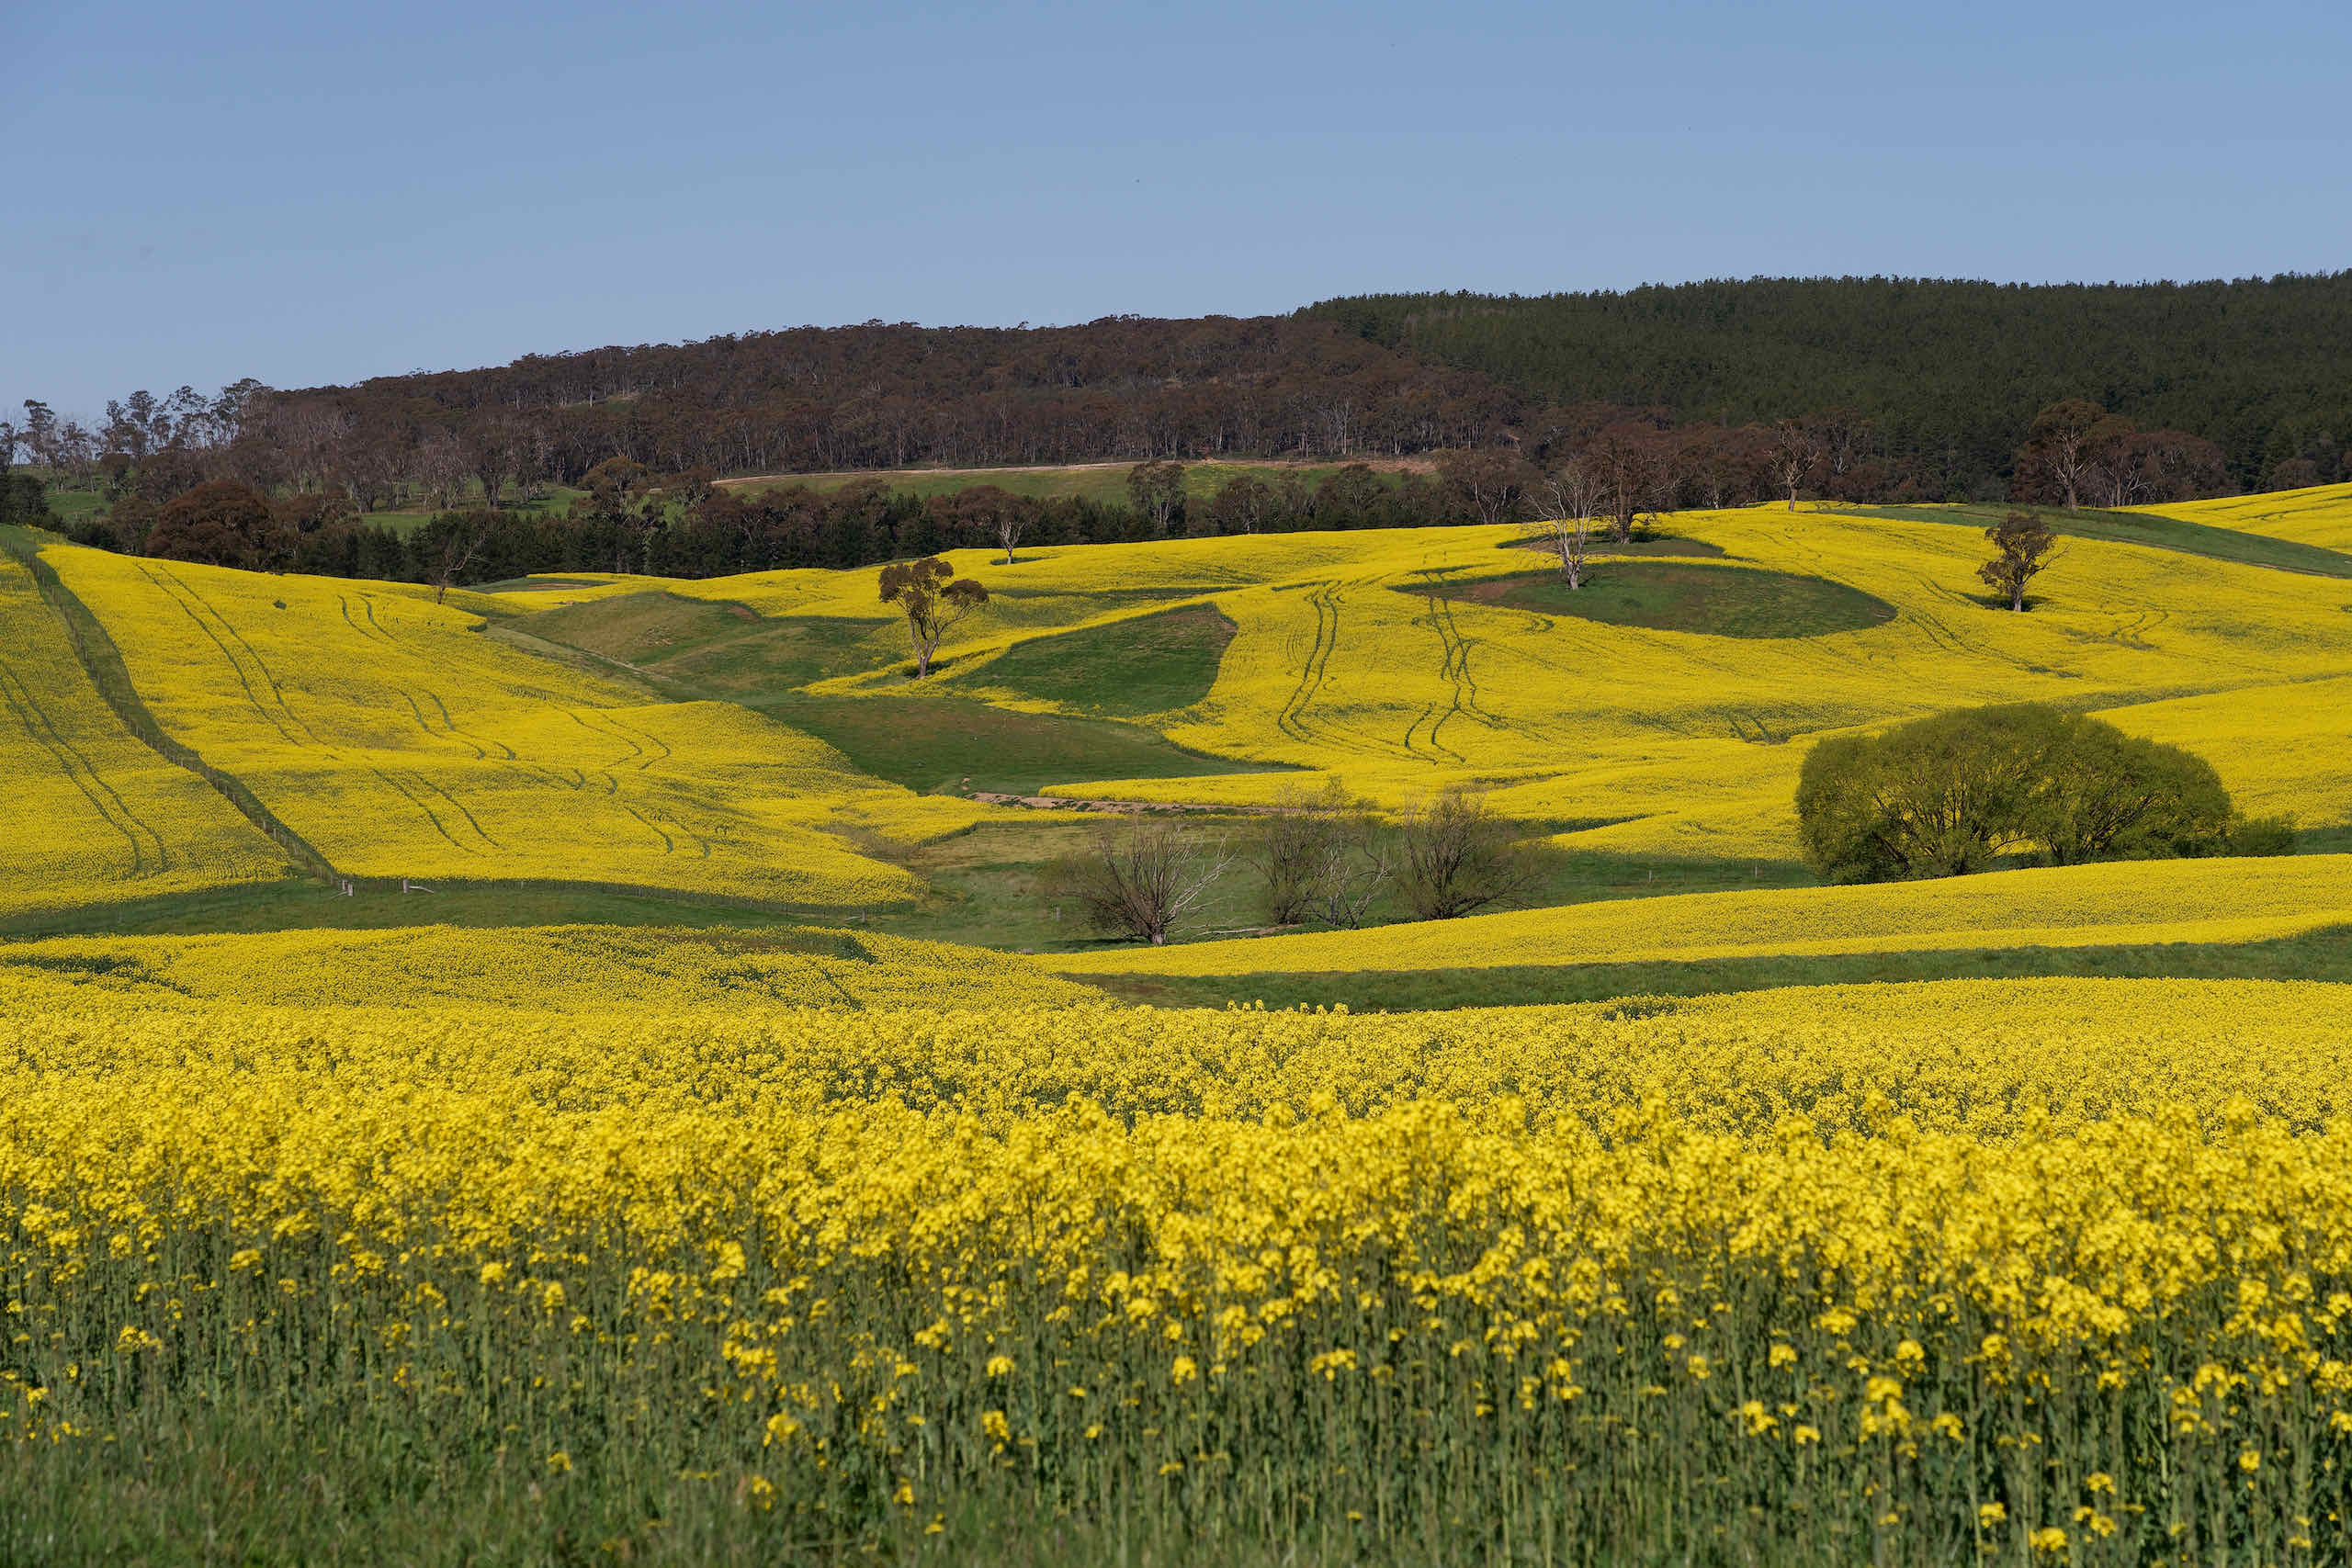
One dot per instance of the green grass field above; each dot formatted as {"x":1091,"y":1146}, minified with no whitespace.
{"x":1123,"y":669}
{"x":2319,"y":956}
{"x":1665,"y":595}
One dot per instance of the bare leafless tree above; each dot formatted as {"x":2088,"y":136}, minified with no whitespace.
{"x":1459,"y":858}
{"x":1794,"y":452}
{"x":1140,"y":879}
{"x":1356,"y":859}
{"x":1320,"y":854}
{"x":1572,"y":494}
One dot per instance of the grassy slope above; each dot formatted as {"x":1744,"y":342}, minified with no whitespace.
{"x":2323,"y":954}
{"x":929,"y":741}
{"x":1123,"y":669}
{"x":2321,"y":515}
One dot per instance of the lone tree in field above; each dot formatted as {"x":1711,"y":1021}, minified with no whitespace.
{"x":1572,"y":494}
{"x":2022,"y":546}
{"x":934,"y":599}
{"x":1794,"y":452}
{"x":1156,"y":491}
{"x":1139,"y":882}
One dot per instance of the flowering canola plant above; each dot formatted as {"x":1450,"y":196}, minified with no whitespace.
{"x":1920,"y":1274}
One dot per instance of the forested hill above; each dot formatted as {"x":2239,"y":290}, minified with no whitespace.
{"x":883,"y":395}
{"x":1913,"y":389}
{"x":2258,"y":366}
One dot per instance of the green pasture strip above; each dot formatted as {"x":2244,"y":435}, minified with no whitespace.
{"x":308,"y":907}
{"x":988,"y":883}
{"x":1679,"y":596}
{"x":724,"y":649}
{"x":1123,"y":669}
{"x":1603,"y":547}
{"x":2150,"y":529}
{"x":957,"y":745}
{"x":407,"y":520}
{"x":102,"y":661}
{"x":2315,"y":955}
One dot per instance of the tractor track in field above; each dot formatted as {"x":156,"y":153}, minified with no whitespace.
{"x":636,"y":751}
{"x":18,"y":694}
{"x":235,"y":668}
{"x":1455,"y":666}
{"x":1313,"y":673}
{"x":1292,"y":719}
{"x":182,"y":593}
{"x":438,"y":825}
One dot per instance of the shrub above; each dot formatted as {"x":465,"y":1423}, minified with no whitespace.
{"x":1954,"y":793}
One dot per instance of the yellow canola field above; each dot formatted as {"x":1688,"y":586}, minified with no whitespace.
{"x":2320,"y":515}
{"x":566,"y":969}
{"x":95,"y":814}
{"x":2080,"y":906}
{"x":585,"y":1018}
{"x":1356,"y":655}
{"x":400,"y":742}
{"x":2125,"y":1334}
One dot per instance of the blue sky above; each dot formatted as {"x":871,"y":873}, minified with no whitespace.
{"x":313,"y":193}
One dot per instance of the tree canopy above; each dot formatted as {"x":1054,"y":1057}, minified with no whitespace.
{"x":2025,"y":782}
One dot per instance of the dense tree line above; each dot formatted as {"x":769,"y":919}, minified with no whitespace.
{"x":1905,"y":390}
{"x":685,"y":525}
{"x":1947,"y":375}
{"x":806,"y":400}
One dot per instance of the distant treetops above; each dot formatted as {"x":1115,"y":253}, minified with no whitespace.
{"x":2024,"y":784}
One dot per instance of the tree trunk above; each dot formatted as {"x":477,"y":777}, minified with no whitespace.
{"x":2016,"y":598}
